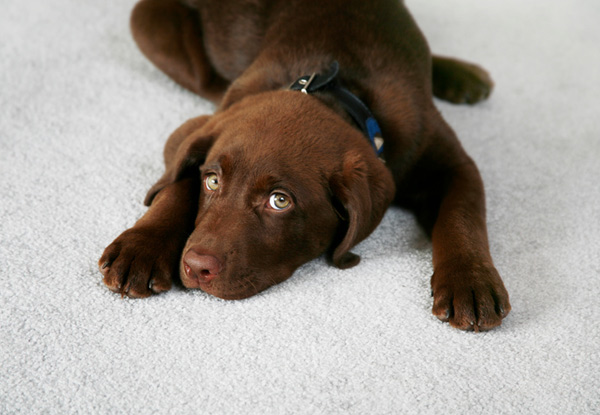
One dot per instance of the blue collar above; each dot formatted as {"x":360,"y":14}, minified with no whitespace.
{"x":360,"y":113}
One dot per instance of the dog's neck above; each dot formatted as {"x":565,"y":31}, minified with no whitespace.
{"x":327,"y":82}
{"x":325,"y":85}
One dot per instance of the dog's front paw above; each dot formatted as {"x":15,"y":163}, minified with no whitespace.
{"x":470,"y":296}
{"x":140,"y":262}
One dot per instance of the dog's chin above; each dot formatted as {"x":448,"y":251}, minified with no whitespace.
{"x":238,"y":284}
{"x":231,"y":295}
{"x":225,"y":291}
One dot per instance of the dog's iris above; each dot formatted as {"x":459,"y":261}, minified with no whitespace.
{"x":212,"y":182}
{"x":279,"y":201}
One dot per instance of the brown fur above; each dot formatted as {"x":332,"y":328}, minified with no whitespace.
{"x":264,"y":139}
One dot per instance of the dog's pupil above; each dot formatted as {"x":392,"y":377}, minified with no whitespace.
{"x":281,"y":201}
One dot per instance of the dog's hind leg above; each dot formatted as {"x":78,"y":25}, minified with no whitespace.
{"x":460,"y":82}
{"x":169,"y":34}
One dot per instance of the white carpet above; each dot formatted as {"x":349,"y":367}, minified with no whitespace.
{"x":82,"y":123}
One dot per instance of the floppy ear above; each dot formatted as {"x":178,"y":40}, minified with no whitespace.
{"x":365,"y":189}
{"x":185,"y":150}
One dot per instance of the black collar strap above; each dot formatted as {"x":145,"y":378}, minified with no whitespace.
{"x":360,"y":113}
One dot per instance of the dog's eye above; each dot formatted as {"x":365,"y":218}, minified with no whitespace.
{"x":211,"y":182}
{"x":279,"y":201}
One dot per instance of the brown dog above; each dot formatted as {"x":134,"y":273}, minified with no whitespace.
{"x":277,"y":177}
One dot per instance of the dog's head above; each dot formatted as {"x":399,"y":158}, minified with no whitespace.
{"x":283,"y":180}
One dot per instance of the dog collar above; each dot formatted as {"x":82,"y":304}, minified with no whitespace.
{"x":360,"y":113}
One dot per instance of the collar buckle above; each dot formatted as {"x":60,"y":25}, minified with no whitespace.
{"x":306,"y":83}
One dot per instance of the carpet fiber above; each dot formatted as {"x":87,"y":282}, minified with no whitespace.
{"x":82,"y":123}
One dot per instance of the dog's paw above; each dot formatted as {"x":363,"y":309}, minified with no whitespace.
{"x":139,"y":263}
{"x":461,"y":82}
{"x":470,"y":296}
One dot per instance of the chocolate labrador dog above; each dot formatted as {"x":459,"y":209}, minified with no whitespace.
{"x":325,"y":116}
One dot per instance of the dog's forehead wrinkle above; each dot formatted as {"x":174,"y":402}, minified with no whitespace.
{"x":282,"y":159}
{"x":225,"y":163}
{"x":279,"y":115}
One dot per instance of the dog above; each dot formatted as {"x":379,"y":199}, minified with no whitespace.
{"x":325,"y":116}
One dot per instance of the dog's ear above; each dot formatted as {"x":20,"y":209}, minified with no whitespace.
{"x":185,"y":150}
{"x":363,"y":189}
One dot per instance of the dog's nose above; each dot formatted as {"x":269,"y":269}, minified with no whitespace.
{"x":203,"y":268}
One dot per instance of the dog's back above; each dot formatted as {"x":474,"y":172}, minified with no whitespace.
{"x":365,"y":37}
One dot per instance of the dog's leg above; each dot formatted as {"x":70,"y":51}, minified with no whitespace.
{"x":170,"y":35}
{"x":144,"y":259}
{"x":467,"y":290}
{"x":460,"y":82}
{"x":446,"y":192}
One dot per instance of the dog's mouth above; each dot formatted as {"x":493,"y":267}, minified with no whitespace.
{"x":238,"y":291}
{"x":230,"y":295}
{"x":223,"y":285}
